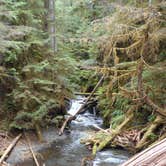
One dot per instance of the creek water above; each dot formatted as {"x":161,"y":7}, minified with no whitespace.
{"x":66,"y":150}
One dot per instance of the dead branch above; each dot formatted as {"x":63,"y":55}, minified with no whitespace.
{"x":100,"y":129}
{"x":10,"y":147}
{"x":31,"y":150}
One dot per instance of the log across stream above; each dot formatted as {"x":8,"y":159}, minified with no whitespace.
{"x":66,"y":150}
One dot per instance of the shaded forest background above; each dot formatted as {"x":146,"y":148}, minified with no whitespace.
{"x":122,"y":40}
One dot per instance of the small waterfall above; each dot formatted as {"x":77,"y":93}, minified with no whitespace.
{"x":76,"y":105}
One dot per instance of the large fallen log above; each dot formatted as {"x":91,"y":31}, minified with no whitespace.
{"x":10,"y":147}
{"x":154,"y":155}
{"x":70,"y":118}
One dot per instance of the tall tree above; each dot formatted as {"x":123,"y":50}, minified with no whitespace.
{"x":50,"y":23}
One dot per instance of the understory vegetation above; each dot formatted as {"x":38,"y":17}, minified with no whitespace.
{"x":123,"y":41}
{"x":34,"y":85}
{"x":131,"y":55}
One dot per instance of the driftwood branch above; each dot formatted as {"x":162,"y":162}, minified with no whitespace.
{"x":10,"y":147}
{"x":81,"y":108}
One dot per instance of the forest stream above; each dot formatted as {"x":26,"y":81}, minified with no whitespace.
{"x":66,"y":150}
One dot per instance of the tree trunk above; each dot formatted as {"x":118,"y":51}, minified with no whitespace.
{"x":46,"y":6}
{"x":50,"y":23}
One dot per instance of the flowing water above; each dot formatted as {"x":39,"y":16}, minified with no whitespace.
{"x":66,"y":150}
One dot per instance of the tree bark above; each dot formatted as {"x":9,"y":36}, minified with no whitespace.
{"x":50,"y":23}
{"x":154,"y":154}
{"x":46,"y":6}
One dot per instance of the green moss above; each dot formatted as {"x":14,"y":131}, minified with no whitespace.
{"x":152,"y":137}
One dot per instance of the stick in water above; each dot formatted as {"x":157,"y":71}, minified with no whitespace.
{"x":10,"y":147}
{"x":30,"y":147}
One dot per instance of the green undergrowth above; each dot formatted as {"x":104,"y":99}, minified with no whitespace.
{"x":33,"y":79}
{"x":113,"y":109}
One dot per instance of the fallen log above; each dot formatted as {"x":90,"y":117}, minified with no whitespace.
{"x":114,"y":133}
{"x":154,"y":154}
{"x":31,"y":150}
{"x":85,"y":93}
{"x":10,"y":147}
{"x":70,"y":118}
{"x":119,"y":66}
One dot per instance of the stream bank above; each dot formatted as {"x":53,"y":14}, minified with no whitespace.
{"x":66,"y":149}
